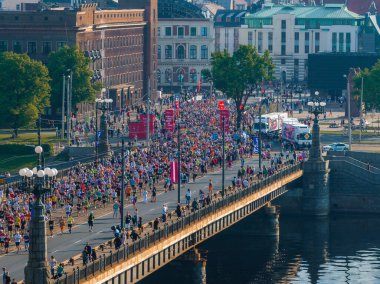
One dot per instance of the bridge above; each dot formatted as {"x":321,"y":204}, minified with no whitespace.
{"x":135,"y":261}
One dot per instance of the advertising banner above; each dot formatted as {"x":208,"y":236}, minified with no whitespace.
{"x":169,"y":120}
{"x":226,"y":114}
{"x":256,"y":142}
{"x":173,"y":171}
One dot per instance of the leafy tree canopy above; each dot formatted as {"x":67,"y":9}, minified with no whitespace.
{"x":237,"y":75}
{"x":24,"y":90}
{"x":71,"y":58}
{"x":371,"y":82}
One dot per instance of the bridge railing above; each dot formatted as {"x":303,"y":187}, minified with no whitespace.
{"x":356,"y":163}
{"x":106,"y":260}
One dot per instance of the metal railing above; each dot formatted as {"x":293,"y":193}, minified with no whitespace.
{"x":106,"y":260}
{"x":356,"y":163}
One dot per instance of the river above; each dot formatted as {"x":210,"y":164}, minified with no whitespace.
{"x":338,"y":249}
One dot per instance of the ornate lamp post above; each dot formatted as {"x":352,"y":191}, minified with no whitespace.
{"x":38,"y":181}
{"x":315,"y":195}
{"x":316,"y":107}
{"x":104,"y":105}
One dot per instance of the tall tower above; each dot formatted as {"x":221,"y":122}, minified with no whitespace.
{"x":150,"y":48}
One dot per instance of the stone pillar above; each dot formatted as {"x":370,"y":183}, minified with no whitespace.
{"x":316,"y":196}
{"x":104,"y":147}
{"x":263,"y":223}
{"x":37,"y":269}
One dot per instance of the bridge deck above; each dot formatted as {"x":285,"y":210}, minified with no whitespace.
{"x":134,"y":262}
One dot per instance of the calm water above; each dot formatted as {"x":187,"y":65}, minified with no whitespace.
{"x":341,"y":249}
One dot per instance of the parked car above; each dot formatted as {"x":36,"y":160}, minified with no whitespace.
{"x":336,"y":147}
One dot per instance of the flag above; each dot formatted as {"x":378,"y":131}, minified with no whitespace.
{"x":256,"y":145}
{"x":174,"y":172}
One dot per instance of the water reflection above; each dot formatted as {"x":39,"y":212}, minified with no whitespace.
{"x":341,"y":249}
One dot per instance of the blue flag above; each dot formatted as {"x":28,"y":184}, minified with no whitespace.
{"x":256,"y":144}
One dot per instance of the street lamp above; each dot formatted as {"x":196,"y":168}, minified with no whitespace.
{"x":316,"y":107}
{"x":104,"y":105}
{"x":38,"y":181}
{"x":349,"y":111}
{"x":179,"y":159}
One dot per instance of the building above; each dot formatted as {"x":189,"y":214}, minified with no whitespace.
{"x":326,"y":70}
{"x":227,"y":25}
{"x":114,"y":40}
{"x":185,"y":44}
{"x":291,"y":33}
{"x":17,"y":5}
{"x":357,"y":6}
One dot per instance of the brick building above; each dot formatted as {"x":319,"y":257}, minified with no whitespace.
{"x":114,"y":40}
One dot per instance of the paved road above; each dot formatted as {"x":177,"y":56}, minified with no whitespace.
{"x":65,"y":246}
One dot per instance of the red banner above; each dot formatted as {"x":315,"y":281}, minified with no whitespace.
{"x":169,"y":120}
{"x":221,"y":105}
{"x":137,"y":130}
{"x":174,"y":172}
{"x":225,"y":113}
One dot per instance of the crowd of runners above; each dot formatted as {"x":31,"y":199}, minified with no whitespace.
{"x":89,"y":187}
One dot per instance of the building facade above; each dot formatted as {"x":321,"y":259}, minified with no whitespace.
{"x":227,"y":25}
{"x":185,"y":44}
{"x":291,"y":33}
{"x":16,"y":5}
{"x":114,"y":40}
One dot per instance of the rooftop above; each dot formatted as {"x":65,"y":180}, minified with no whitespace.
{"x":329,"y":11}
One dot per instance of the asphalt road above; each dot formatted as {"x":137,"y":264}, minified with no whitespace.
{"x":67,"y":245}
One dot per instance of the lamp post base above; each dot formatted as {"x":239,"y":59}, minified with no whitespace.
{"x":40,"y":275}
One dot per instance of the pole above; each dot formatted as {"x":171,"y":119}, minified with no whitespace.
{"x":260,"y":137}
{"x":147,"y":113}
{"x":223,"y":157}
{"x":349,"y":113}
{"x":68,"y":110}
{"x":96,"y":134}
{"x":70,"y":100}
{"x":179,"y":161}
{"x":122,"y":184}
{"x":63,"y":108}
{"x":361,"y":110}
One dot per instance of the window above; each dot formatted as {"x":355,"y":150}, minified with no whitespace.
{"x":159,"y":31}
{"x":203,"y":31}
{"x":341,"y":41}
{"x":317,"y":35}
{"x":348,"y":42}
{"x":168,"y":76}
{"x":307,"y":42}
{"x":270,"y":41}
{"x":204,"y":52}
{"x":46,"y":47}
{"x":159,"y":52}
{"x":260,"y":42}
{"x":181,"y":52}
{"x":181,"y":32}
{"x":193,"y":31}
{"x":61,"y":44}
{"x":3,"y":45}
{"x":168,"y":31}
{"x":17,"y":47}
{"x":283,"y":24}
{"x":18,"y":7}
{"x":193,"y":76}
{"x":296,"y":69}
{"x":296,"y":42}
{"x":32,"y":47}
{"x":168,"y":52}
{"x":283,"y":49}
{"x":333,"y":44}
{"x":250,"y":38}
{"x":181,"y":75}
{"x":283,"y":61}
{"x":193,"y":52}
{"x":158,"y":76}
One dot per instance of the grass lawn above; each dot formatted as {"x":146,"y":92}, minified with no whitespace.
{"x":30,"y":138}
{"x":13,"y":164}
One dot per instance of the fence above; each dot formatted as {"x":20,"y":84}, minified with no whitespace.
{"x":108,"y":259}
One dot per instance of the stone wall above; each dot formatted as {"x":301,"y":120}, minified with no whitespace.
{"x":365,"y":157}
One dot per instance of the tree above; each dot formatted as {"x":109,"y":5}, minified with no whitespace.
{"x":71,"y":58}
{"x":238,"y":75}
{"x":371,"y":90}
{"x":24,"y":90}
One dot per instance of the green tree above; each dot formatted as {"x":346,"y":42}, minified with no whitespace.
{"x":371,"y":82}
{"x":71,"y":58}
{"x":24,"y":90}
{"x":238,"y":75}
